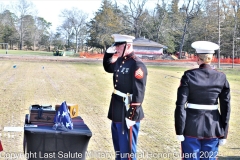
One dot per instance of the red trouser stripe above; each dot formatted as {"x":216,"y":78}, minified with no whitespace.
{"x":130,"y":142}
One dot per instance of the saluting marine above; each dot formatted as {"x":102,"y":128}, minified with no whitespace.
{"x":129,"y":80}
{"x":199,"y":125}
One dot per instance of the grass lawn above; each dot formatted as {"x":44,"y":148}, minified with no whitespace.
{"x":21,"y":52}
{"x":89,"y":86}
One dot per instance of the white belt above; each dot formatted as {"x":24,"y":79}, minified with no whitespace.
{"x":119,"y":93}
{"x":124,"y":95}
{"x":202,"y":106}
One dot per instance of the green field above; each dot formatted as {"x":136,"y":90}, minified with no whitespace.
{"x":89,"y":86}
{"x":22,"y":52}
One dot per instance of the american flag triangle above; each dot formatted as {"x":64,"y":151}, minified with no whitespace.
{"x":62,"y":118}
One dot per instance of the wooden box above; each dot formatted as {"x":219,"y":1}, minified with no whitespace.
{"x":41,"y":114}
{"x":73,"y":109}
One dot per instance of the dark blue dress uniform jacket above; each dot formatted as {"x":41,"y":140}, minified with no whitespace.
{"x":205,"y":86}
{"x":129,"y":76}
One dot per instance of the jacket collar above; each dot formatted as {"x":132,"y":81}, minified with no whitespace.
{"x":128,"y":56}
{"x":203,"y":65}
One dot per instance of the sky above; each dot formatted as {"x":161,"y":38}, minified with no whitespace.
{"x":50,"y":9}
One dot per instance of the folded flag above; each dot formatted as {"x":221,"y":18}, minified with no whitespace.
{"x":62,"y":118}
{"x":1,"y":148}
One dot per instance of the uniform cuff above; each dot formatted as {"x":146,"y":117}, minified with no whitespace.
{"x":135,"y":104}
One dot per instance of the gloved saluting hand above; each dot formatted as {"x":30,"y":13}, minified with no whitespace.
{"x":111,"y":50}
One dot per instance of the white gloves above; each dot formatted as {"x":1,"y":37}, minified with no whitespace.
{"x":222,"y":142}
{"x":111,"y":50}
{"x":180,"y":137}
{"x":129,"y":122}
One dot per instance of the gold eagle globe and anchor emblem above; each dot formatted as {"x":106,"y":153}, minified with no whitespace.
{"x":74,"y":111}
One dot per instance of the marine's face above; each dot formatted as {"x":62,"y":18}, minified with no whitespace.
{"x":119,"y":49}
{"x":199,"y":62}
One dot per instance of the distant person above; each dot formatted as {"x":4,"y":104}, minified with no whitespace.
{"x":199,"y":125}
{"x":129,"y":81}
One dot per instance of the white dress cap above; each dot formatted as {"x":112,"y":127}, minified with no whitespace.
{"x":205,"y":47}
{"x":123,"y":38}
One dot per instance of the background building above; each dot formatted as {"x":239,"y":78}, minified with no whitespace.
{"x":145,"y":48}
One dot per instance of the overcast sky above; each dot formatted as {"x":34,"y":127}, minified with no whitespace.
{"x":50,"y":9}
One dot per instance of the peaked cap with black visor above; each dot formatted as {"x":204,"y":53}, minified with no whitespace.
{"x":120,"y":39}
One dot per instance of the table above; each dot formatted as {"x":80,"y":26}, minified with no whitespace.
{"x":45,"y":143}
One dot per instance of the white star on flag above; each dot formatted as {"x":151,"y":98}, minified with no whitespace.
{"x":64,"y":113}
{"x":67,"y":124}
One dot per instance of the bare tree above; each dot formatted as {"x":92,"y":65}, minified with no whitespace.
{"x":39,"y":30}
{"x":22,"y":8}
{"x":2,"y":7}
{"x":50,"y":40}
{"x":156,"y":21}
{"x":67,"y":30}
{"x":235,"y":6}
{"x":77,"y":19}
{"x":190,"y":10}
{"x":138,"y":15}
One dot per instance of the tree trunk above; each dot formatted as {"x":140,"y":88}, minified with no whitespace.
{"x":34,"y":45}
{"x":76,"y":42}
{"x":182,"y":42}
